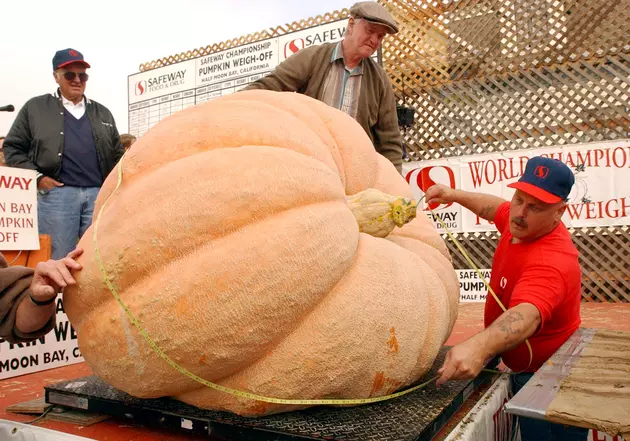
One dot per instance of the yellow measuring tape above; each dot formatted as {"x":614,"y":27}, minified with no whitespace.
{"x":187,"y":373}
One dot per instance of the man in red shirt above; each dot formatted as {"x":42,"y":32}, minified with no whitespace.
{"x":536,"y":275}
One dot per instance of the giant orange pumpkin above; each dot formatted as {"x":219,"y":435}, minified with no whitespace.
{"x":232,"y":242}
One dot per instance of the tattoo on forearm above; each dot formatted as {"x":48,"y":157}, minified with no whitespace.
{"x":509,"y":324}
{"x":485,"y":211}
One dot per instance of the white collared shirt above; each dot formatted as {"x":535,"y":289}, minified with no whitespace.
{"x":77,"y":110}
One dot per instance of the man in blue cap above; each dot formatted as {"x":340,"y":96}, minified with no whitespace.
{"x":73,"y":144}
{"x":536,"y":275}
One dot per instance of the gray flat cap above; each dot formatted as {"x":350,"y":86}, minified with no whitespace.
{"x":374,"y":12}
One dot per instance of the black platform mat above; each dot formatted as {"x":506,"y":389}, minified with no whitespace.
{"x":416,"y":416}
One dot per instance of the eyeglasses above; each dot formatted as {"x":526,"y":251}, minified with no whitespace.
{"x":70,"y":76}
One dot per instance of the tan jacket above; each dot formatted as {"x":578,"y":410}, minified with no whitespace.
{"x":14,"y":288}
{"x":306,"y":71}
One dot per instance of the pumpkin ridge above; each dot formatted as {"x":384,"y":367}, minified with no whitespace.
{"x":361,"y":161}
{"x":115,"y":217}
{"x":355,"y":385}
{"x":300,"y":319}
{"x":438,"y":246}
{"x":161,"y":334}
{"x":203,"y":119}
{"x":305,"y":315}
{"x":141,"y":276}
{"x":443,"y":262}
{"x":298,"y":110}
{"x":129,"y":178}
{"x":299,"y":322}
{"x":334,"y":287}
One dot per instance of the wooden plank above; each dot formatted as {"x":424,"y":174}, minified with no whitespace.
{"x":77,"y":417}
{"x":596,"y":287}
{"x":517,"y":109}
{"x":594,"y":265}
{"x":36,"y":407}
{"x":613,"y":262}
{"x":595,"y":262}
{"x":573,"y":127}
{"x":596,"y":392}
{"x":591,"y":20}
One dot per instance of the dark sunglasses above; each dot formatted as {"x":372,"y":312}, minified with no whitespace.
{"x":70,"y":76}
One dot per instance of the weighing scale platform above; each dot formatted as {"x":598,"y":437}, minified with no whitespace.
{"x":419,"y":415}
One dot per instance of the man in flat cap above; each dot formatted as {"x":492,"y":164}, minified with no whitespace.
{"x":72,"y":143}
{"x":344,"y":76}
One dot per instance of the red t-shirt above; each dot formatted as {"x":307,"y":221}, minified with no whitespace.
{"x":545,"y":273}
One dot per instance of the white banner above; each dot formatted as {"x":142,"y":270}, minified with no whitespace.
{"x":233,"y":68}
{"x":594,"y":435}
{"x":291,"y":43}
{"x":18,"y":209}
{"x":423,"y":175}
{"x":57,"y":348}
{"x":600,"y":196}
{"x":14,"y":431}
{"x":158,"y":93}
{"x":471,"y":286}
{"x":487,"y":420}
{"x":161,"y":82}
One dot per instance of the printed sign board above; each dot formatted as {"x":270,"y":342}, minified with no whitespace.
{"x":18,"y":209}
{"x":158,"y":93}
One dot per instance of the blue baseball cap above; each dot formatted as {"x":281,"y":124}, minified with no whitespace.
{"x":546,"y":179}
{"x":68,"y":56}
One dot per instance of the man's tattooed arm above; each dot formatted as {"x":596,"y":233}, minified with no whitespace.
{"x":511,"y":324}
{"x":483,"y":205}
{"x":486,"y":211}
{"x":512,"y":328}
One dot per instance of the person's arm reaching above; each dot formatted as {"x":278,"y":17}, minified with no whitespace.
{"x":511,"y":329}
{"x":289,"y":76}
{"x":49,"y":278}
{"x":27,"y":296}
{"x":483,"y":205}
{"x":540,"y":290}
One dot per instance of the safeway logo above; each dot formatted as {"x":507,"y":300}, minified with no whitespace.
{"x":425,"y":178}
{"x":541,"y":172}
{"x":503,"y":282}
{"x":293,"y":47}
{"x":141,"y":87}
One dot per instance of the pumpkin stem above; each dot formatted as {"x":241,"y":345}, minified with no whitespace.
{"x":378,"y":213}
{"x":404,"y":210}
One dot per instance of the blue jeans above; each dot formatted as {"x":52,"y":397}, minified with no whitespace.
{"x":65,"y":213}
{"x":539,"y":430}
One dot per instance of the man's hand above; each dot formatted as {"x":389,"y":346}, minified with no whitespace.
{"x":46,"y":183}
{"x":52,"y":276}
{"x":440,"y":194}
{"x":463,"y":361}
{"x":483,"y":205}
